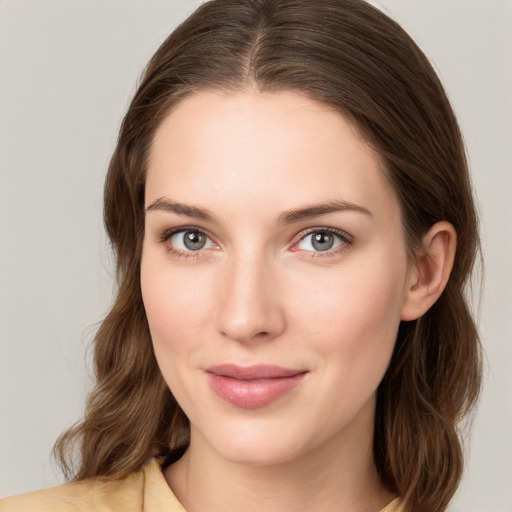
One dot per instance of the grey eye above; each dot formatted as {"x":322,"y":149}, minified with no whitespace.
{"x":190,"y":240}
{"x":320,"y":241}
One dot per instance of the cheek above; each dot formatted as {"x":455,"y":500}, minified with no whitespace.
{"x":177,"y":308}
{"x":175,"y":314}
{"x":352,"y":315}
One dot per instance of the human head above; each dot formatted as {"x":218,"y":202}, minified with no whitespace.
{"x":352,"y":57}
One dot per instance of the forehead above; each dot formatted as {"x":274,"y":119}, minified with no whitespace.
{"x":263,"y":149}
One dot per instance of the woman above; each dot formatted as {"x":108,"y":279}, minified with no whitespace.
{"x":294,"y":228}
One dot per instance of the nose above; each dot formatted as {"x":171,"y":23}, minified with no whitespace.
{"x":249,"y":301}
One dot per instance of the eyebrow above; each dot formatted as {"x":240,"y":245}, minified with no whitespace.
{"x":316,"y":210}
{"x":182,"y":209}
{"x":286,"y":217}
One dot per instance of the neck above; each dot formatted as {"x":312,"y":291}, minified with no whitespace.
{"x":338,"y":475}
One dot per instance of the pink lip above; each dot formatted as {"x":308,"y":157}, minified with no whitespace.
{"x":251,"y":387}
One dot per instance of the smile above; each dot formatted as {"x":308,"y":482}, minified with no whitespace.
{"x":252,"y":387}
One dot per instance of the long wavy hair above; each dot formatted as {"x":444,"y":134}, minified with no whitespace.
{"x":349,"y":55}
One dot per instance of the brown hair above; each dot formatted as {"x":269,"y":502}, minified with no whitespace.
{"x":351,"y":56}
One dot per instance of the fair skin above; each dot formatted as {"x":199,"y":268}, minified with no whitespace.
{"x":239,"y":269}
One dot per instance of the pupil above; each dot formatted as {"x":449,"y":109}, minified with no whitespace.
{"x":322,"y":241}
{"x":194,"y":240}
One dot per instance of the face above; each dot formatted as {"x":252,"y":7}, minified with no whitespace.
{"x":273,"y":273}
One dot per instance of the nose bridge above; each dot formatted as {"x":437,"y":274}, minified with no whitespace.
{"x":249,"y":304}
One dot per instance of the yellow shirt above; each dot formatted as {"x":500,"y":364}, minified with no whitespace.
{"x":144,"y":491}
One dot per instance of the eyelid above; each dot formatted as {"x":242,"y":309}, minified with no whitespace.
{"x":168,"y":233}
{"x":345,"y":238}
{"x":165,"y":237}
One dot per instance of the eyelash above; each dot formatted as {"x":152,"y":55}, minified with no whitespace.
{"x":176,"y":252}
{"x":346,"y":239}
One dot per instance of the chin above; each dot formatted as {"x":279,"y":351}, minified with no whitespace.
{"x":253,"y":454}
{"x":257,"y":443}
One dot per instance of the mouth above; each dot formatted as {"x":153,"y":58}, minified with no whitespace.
{"x":252,"y":387}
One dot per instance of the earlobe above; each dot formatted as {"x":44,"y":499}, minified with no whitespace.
{"x":431,"y":271}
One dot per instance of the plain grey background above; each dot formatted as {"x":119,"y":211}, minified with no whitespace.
{"x":67,"y":71}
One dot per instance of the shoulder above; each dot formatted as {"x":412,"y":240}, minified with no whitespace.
{"x":94,"y":494}
{"x":145,"y":490}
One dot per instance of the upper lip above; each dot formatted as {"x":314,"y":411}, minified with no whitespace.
{"x":258,"y":371}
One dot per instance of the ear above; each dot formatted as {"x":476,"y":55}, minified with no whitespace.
{"x":430,"y":271}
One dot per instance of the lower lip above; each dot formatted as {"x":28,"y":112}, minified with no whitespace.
{"x":253,"y":394}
